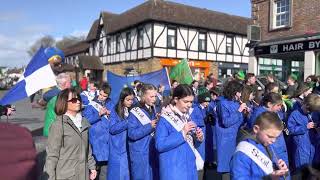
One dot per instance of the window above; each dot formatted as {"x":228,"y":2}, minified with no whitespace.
{"x":108,"y":46}
{"x":128,"y":41}
{"x":140,"y":38}
{"x":172,"y":38}
{"x":229,"y":46}
{"x":118,"y":43}
{"x":101,"y":48}
{"x":202,"y":42}
{"x":281,"y":13}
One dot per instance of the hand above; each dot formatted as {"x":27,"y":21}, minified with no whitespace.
{"x":103,"y":111}
{"x":242,"y":107}
{"x":283,"y":169}
{"x":93,"y":174}
{"x":199,"y":134}
{"x":310,"y":125}
{"x":9,"y":111}
{"x":188,"y":127}
{"x":154,"y":123}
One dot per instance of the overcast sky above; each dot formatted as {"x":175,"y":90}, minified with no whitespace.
{"x":23,"y":22}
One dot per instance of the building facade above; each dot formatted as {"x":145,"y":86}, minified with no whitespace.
{"x":159,"y":34}
{"x":290,"y":40}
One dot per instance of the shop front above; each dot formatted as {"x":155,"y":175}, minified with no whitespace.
{"x":199,"y":69}
{"x":298,"y":56}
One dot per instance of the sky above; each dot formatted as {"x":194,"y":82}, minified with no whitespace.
{"x":22,"y":22}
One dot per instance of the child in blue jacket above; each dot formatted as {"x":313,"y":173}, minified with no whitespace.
{"x":142,"y":122}
{"x":253,"y":159}
{"x":118,"y":165}
{"x":302,"y":128}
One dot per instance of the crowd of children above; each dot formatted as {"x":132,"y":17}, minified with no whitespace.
{"x":243,"y":131}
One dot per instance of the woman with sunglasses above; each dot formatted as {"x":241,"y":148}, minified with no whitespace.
{"x":118,"y":165}
{"x":69,"y":154}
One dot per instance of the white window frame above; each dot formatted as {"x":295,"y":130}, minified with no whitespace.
{"x":229,"y":44}
{"x":274,"y":14}
{"x":118,"y":43}
{"x":202,"y":41}
{"x":101,"y":47}
{"x":172,"y":38}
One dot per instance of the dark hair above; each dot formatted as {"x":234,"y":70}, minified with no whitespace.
{"x":105,"y":87}
{"x":271,"y":86}
{"x":194,"y":81}
{"x":61,"y":106}
{"x":245,"y":95}
{"x":231,"y":88}
{"x":182,"y":91}
{"x":273,"y":98}
{"x":123,"y":94}
{"x":248,"y":76}
{"x":207,"y":82}
{"x":267,"y":119}
{"x":147,"y":87}
{"x":173,"y":81}
{"x":312,"y":102}
{"x":136,"y":81}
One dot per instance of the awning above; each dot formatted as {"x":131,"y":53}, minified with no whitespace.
{"x":90,"y":62}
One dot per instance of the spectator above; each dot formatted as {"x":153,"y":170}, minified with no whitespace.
{"x":84,"y":83}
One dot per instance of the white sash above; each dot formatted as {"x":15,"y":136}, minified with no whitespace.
{"x":97,"y":107}
{"x":178,"y":125}
{"x":256,"y":155}
{"x":140,"y":115}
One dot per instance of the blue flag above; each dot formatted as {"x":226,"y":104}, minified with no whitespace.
{"x":38,"y":75}
{"x":119,"y":82}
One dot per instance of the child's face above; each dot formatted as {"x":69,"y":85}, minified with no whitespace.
{"x":275,"y":107}
{"x":266,"y":136}
{"x":214,"y":97}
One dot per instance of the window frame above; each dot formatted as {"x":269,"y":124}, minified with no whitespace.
{"x":140,"y":34}
{"x":274,"y":14}
{"x":128,"y":41}
{"x":100,"y":47}
{"x":205,"y":42}
{"x":172,"y":36}
{"x":232,"y":43}
{"x":118,"y":43}
{"x":108,"y":46}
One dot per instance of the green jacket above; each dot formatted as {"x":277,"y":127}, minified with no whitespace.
{"x":50,"y":116}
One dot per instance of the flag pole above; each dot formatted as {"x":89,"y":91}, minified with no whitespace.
{"x":190,"y":68}
{"x":167,"y":72}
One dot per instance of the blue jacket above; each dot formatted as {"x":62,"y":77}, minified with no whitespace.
{"x":85,"y":99}
{"x":304,"y":139}
{"x":244,"y":168}
{"x":198,"y":116}
{"x":98,"y":132}
{"x":211,"y":144}
{"x":227,"y":126}
{"x":118,"y":165}
{"x":176,"y":159}
{"x":143,"y":156}
{"x":279,"y":146}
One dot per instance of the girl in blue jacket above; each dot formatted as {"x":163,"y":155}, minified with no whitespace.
{"x":118,"y":165}
{"x":177,"y":138}
{"x":142,"y":121}
{"x":253,"y":159}
{"x":302,"y":128}
{"x":230,"y":118}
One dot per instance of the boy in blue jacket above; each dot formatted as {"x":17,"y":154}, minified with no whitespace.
{"x":254,"y":158}
{"x":97,"y":112}
{"x":302,"y":128}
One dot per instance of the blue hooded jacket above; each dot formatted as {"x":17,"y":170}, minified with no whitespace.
{"x":118,"y":165}
{"x":143,"y":156}
{"x":227,"y":126}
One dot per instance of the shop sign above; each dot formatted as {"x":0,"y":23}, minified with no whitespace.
{"x":288,"y":47}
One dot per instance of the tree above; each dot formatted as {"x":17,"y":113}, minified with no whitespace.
{"x":68,"y":41}
{"x":45,"y":41}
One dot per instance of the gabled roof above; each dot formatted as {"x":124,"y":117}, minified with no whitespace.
{"x":170,"y":12}
{"x":90,"y":62}
{"x":77,"y":48}
{"x":93,"y":33}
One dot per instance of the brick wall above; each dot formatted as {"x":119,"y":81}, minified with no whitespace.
{"x":305,"y":18}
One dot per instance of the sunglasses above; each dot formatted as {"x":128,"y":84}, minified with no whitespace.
{"x":74,"y":100}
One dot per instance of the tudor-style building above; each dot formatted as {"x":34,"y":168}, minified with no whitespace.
{"x":159,"y":33}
